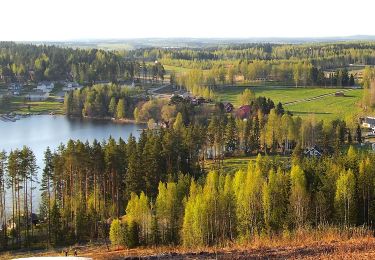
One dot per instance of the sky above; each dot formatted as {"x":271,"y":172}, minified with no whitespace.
{"x":63,"y":20}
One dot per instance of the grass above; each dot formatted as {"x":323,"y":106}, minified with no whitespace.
{"x":329,"y":107}
{"x":233,"y":164}
{"x":176,"y":69}
{"x":19,"y":106}
{"x":41,"y":107}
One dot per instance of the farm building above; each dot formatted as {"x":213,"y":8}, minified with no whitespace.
{"x":243,"y":111}
{"x":368,"y":122}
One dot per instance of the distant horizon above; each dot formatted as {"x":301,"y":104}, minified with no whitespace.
{"x":344,"y":37}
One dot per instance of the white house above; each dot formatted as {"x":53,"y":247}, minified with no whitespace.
{"x":45,"y":87}
{"x":69,"y":86}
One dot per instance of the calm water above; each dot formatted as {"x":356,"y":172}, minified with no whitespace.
{"x":38,"y":132}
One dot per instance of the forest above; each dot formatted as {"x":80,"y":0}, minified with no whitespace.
{"x":302,"y":64}
{"x":29,"y":62}
{"x":171,"y":185}
{"x":159,"y":189}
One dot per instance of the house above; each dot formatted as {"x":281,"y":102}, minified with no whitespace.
{"x":45,"y":86}
{"x":312,"y":152}
{"x":15,"y":87}
{"x":368,"y":122}
{"x":38,"y":96}
{"x":32,"y":219}
{"x":228,"y":107}
{"x":243,"y":111}
{"x":69,"y":86}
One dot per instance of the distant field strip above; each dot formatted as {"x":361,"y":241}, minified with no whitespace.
{"x":314,"y":98}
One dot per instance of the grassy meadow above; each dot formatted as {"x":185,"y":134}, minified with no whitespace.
{"x":329,"y":107}
{"x":326,"y":107}
{"x":20,"y":106}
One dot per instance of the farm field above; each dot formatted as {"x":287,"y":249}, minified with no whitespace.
{"x":328,"y":107}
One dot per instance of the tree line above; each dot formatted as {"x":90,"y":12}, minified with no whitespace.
{"x":203,"y":83}
{"x":102,"y":101}
{"x":29,"y":62}
{"x":324,"y":55}
{"x":268,"y":198}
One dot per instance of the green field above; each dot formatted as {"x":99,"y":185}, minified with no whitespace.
{"x":175,"y":69}
{"x":233,"y":164}
{"x":40,"y":107}
{"x":19,"y":106}
{"x":329,"y":107}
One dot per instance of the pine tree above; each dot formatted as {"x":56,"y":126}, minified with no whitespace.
{"x":3,"y":175}
{"x":133,"y":178}
{"x":359,"y":134}
{"x":231,"y":136}
{"x":46,"y":186}
{"x":56,"y":227}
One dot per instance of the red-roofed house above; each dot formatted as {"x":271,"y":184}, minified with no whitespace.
{"x":243,"y":111}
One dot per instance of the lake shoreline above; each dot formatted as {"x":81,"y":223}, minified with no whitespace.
{"x":114,"y":120}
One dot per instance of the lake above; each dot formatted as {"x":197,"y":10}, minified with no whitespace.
{"x":38,"y":132}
